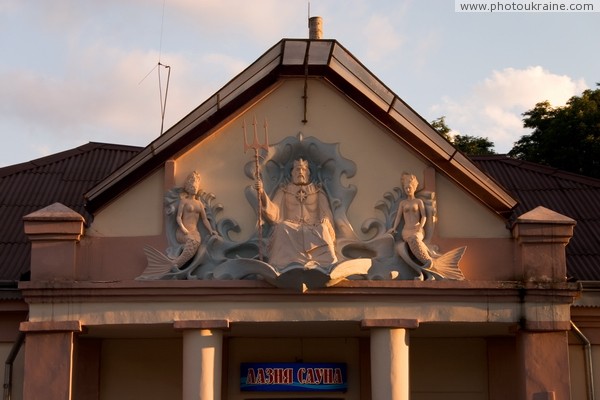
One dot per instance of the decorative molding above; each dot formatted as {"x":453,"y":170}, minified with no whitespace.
{"x":51,"y":326}
{"x":389,"y":323}
{"x":201,"y":324}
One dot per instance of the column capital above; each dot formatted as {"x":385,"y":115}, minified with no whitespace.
{"x":55,"y":222}
{"x":389,"y":323}
{"x":541,"y":235}
{"x":54,"y":232}
{"x":201,"y":324}
{"x":542,"y":225}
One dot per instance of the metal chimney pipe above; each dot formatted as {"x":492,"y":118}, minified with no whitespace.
{"x":315,"y":28}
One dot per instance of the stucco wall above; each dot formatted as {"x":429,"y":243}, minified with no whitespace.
{"x":138,"y":212}
{"x":133,"y":369}
{"x":448,"y":369}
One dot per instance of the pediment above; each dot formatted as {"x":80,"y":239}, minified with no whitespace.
{"x":385,"y":189}
{"x":324,"y":60}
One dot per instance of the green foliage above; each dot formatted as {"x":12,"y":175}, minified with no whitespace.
{"x":473,"y":145}
{"x":470,"y":145}
{"x":440,"y":126}
{"x":566,"y":138}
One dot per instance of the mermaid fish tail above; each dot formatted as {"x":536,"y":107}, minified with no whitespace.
{"x":189,"y":250}
{"x":160,"y":264}
{"x":419,"y":250}
{"x":428,"y":264}
{"x":447,"y":264}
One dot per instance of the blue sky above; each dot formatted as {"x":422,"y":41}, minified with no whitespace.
{"x":75,"y":71}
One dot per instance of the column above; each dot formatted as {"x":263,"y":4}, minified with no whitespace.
{"x":49,"y":359}
{"x":202,"y":358}
{"x":544,"y":361}
{"x":542,"y":344}
{"x":542,"y":236}
{"x":54,"y":232}
{"x":389,"y":358}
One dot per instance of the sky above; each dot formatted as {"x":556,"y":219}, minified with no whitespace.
{"x":79,"y":71}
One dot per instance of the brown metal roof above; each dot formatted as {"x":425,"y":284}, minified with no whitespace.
{"x":61,"y":177}
{"x":575,"y":196}
{"x":324,"y":59}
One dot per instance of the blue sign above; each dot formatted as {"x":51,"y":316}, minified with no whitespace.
{"x":293,"y":377}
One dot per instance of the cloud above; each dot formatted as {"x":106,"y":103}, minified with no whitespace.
{"x":493,"y":108}
{"x":259,"y":19}
{"x":108,"y":98}
{"x":384,"y":39}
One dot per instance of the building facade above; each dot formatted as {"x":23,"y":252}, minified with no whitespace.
{"x":302,"y":234}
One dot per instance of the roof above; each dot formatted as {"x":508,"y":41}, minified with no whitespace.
{"x":62,"y":177}
{"x":572,"y":195}
{"x":323,"y":59}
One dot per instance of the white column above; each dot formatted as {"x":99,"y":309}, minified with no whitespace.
{"x":202,"y":358}
{"x":389,"y":364}
{"x":202,"y":363}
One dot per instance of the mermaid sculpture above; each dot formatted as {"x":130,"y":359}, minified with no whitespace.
{"x":189,"y":212}
{"x":413,"y":250}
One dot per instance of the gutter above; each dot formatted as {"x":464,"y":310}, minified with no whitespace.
{"x":589,"y":371}
{"x":9,"y":291}
{"x":8,"y":365}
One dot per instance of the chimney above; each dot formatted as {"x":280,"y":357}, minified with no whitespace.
{"x":315,"y":28}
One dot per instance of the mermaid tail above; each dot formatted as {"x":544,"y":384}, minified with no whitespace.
{"x":189,"y":250}
{"x":419,"y":250}
{"x":160,"y":264}
{"x":428,"y":264}
{"x":447,"y":264}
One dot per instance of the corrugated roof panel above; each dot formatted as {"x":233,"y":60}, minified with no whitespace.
{"x":569,"y":194}
{"x":63,"y":177}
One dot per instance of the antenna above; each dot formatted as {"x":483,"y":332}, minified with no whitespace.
{"x":159,"y":64}
{"x":163,"y":104}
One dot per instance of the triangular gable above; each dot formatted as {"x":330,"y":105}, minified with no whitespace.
{"x":328,"y":60}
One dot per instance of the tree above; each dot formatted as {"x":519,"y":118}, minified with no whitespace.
{"x":470,"y":145}
{"x":566,"y":137}
{"x":474,"y":145}
{"x":440,"y":126}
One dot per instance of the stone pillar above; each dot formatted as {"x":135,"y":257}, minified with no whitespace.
{"x":544,"y":365}
{"x":389,"y":358}
{"x":202,"y":358}
{"x":54,"y":232}
{"x":542,"y":344}
{"x":49,"y":359}
{"x":542,"y":235}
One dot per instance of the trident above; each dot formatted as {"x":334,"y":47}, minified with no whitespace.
{"x":256,"y":146}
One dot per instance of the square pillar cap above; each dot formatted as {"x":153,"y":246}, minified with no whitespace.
{"x":543,"y":215}
{"x":54,"y":212}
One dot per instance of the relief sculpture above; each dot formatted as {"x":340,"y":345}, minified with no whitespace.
{"x":301,"y":207}
{"x":412,"y":249}
{"x":302,"y":221}
{"x":185,"y":210}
